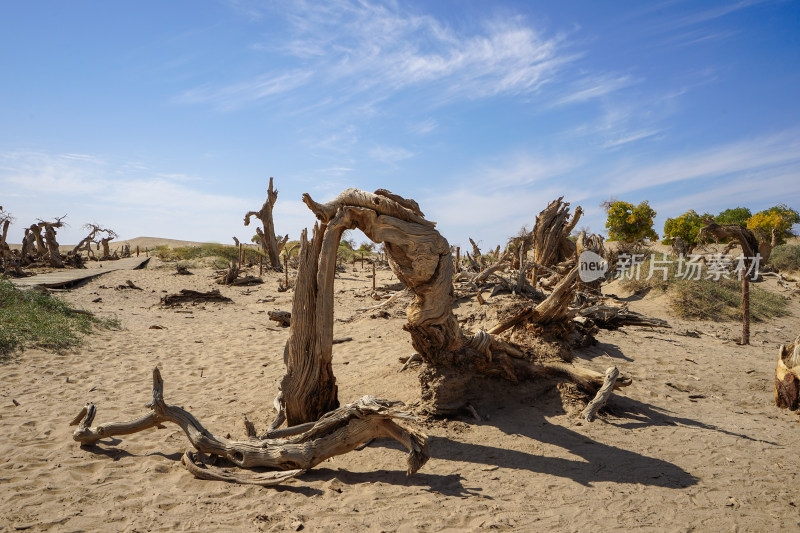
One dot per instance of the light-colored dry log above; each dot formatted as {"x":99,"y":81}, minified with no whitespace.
{"x":336,"y":433}
{"x":602,"y":395}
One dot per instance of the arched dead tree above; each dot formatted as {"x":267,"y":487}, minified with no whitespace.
{"x":455,"y":362}
{"x":269,"y":243}
{"x":750,"y":250}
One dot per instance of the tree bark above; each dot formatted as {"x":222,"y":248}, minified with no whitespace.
{"x":420,"y":257}
{"x":551,"y":244}
{"x":269,"y":243}
{"x":750,"y":247}
{"x":787,"y":376}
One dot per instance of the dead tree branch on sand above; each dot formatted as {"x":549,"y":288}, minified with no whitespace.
{"x":269,"y":243}
{"x":294,"y":452}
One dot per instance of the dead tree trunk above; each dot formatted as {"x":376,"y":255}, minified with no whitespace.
{"x":53,"y":254}
{"x":8,"y":261}
{"x":269,"y":243}
{"x":309,"y":386}
{"x":787,"y":376}
{"x":551,"y":244}
{"x":420,"y":257}
{"x":590,"y":243}
{"x":749,"y":243}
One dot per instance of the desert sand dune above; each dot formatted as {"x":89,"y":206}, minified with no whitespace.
{"x":694,"y":444}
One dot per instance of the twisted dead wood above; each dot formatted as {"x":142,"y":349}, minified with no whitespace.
{"x":335,"y":433}
{"x":269,"y":243}
{"x":420,"y":257}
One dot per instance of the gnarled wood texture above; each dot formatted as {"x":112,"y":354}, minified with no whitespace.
{"x":787,"y":376}
{"x":420,"y":257}
{"x":335,"y":433}
{"x":269,"y":243}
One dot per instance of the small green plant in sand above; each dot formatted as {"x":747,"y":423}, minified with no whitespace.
{"x":30,"y":318}
{"x":703,"y":299}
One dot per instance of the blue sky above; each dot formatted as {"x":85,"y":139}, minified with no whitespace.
{"x":168,"y":118}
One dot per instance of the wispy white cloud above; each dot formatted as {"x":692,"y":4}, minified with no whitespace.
{"x":595,"y":86}
{"x":235,"y":96}
{"x":390,"y":154}
{"x":707,"y":15}
{"x":372,"y":50}
{"x":115,"y":194}
{"x":424,"y":127}
{"x":733,"y":158}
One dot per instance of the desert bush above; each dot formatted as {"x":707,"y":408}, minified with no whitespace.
{"x":786,"y":257}
{"x":737,"y":215}
{"x":628,"y":222}
{"x":780,"y":218}
{"x":30,"y":318}
{"x":704,"y":299}
{"x":687,"y":227}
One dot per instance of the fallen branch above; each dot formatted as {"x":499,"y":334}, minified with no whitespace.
{"x":188,"y":295}
{"x":613,"y":317}
{"x":335,"y":433}
{"x":284,"y":318}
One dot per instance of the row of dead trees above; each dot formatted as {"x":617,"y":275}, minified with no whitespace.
{"x":40,"y":246}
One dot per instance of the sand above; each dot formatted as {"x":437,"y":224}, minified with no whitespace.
{"x":694,"y":444}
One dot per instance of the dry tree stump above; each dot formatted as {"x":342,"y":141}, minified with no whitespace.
{"x":787,"y":376}
{"x":269,"y":243}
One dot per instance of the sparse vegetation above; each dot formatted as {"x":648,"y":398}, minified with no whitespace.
{"x":29,"y":318}
{"x":190,"y":253}
{"x":786,"y":257}
{"x":704,"y":299}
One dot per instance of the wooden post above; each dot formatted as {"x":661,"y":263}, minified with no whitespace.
{"x":745,"y":309}
{"x":286,"y":268}
{"x":137,"y":251}
{"x":373,"y":276}
{"x":362,"y":260}
{"x":458,"y":259}
{"x":260,"y":264}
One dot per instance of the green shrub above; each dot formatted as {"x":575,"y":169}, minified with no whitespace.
{"x":786,"y":257}
{"x":30,"y":318}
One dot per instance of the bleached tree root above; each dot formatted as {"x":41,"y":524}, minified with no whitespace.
{"x":336,"y":433}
